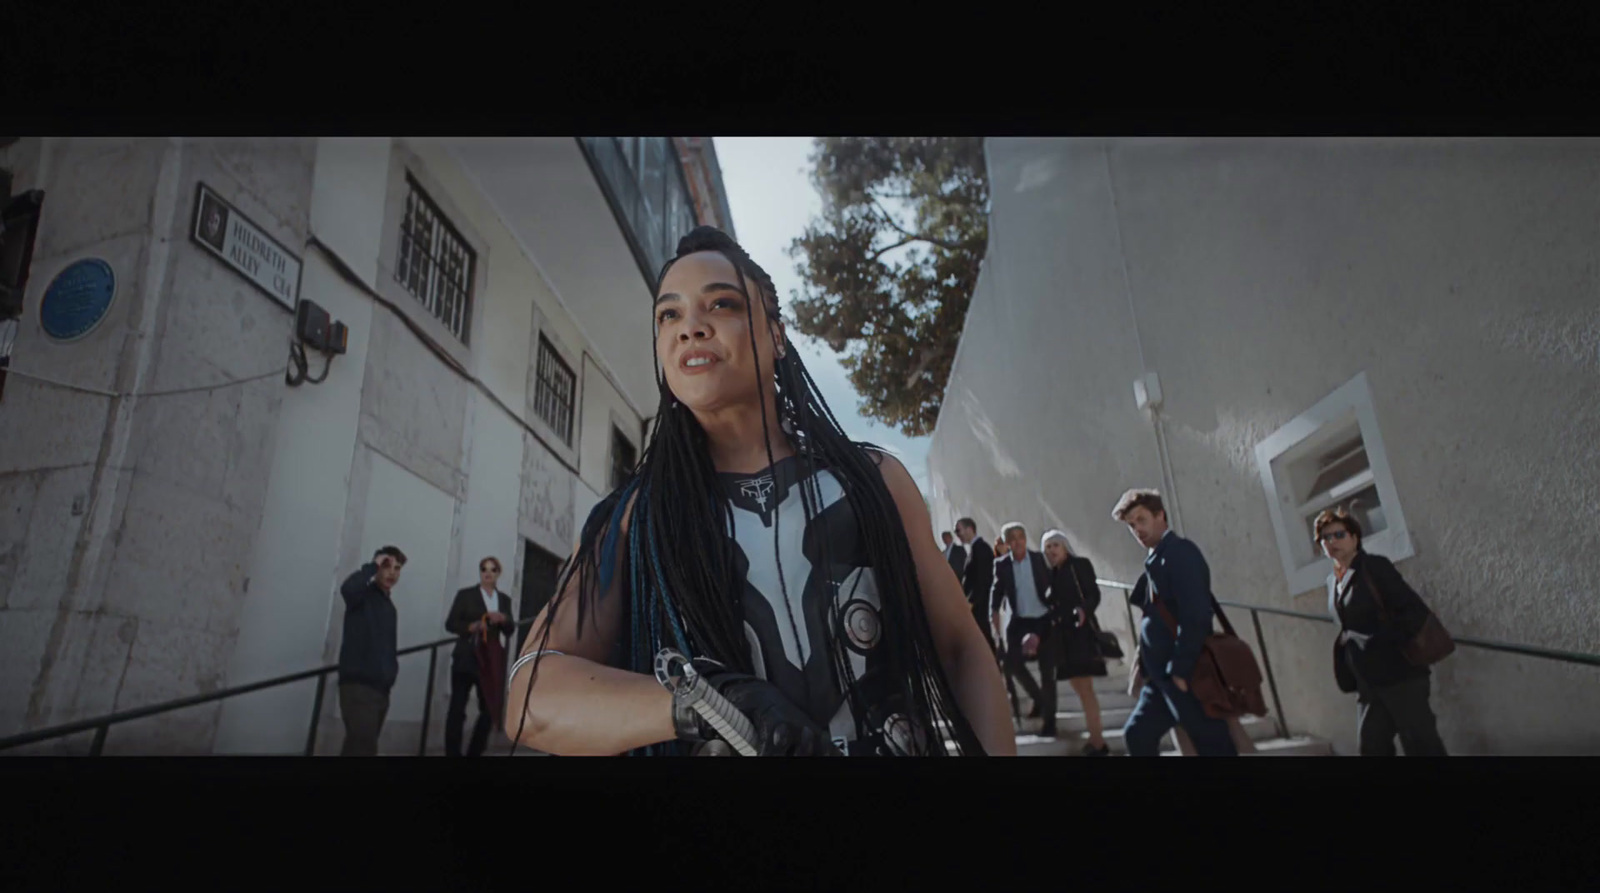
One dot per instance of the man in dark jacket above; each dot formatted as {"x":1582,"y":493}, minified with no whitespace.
{"x":1177,"y":578}
{"x":978,"y":577}
{"x":955,"y":554}
{"x":474,"y":607}
{"x":368,"y":658}
{"x":1022,"y":580}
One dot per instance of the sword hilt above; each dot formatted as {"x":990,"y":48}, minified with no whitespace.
{"x":677,"y":674}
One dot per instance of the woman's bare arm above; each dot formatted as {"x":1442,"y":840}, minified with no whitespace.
{"x":968,"y":663}
{"x":580,"y":706}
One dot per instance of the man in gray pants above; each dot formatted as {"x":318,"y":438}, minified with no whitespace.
{"x":368,"y":659}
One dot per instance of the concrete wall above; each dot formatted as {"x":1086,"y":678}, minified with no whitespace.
{"x":545,"y":191}
{"x":216,"y":522}
{"x":432,"y":437}
{"x":297,"y":557}
{"x":136,"y":600}
{"x":429,"y":434}
{"x":1256,"y":276}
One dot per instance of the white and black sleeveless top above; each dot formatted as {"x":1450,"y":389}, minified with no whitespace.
{"x":791,"y":640}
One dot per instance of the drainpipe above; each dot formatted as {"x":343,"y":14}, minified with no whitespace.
{"x":1147,"y":388}
{"x":1147,"y":395}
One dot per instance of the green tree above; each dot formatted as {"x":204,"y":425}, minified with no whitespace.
{"x":895,"y":315}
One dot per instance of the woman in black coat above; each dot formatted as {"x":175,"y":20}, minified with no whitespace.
{"x":1074,"y":595}
{"x":1392,"y":692}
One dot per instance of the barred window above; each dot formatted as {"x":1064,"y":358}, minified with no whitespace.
{"x":553,"y":392}
{"x":435,"y":261}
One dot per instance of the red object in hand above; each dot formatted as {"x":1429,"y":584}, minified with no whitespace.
{"x":492,"y":671}
{"x":1030,"y":645}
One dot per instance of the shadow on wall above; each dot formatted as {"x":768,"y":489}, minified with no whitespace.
{"x":1054,"y":521}
{"x":983,"y":430}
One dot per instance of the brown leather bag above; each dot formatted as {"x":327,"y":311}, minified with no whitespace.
{"x":1226,"y":679}
{"x":1430,"y":645}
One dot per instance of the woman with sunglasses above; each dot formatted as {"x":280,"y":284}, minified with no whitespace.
{"x":1377,"y":613}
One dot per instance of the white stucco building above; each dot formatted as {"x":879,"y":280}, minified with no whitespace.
{"x":1411,"y":322}
{"x":175,"y":519}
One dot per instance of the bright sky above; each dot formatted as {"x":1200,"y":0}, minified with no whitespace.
{"x":772,"y":199}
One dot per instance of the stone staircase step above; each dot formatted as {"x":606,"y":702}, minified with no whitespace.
{"x":1070,"y":744}
{"x":1069,"y":741}
{"x":1029,"y":746}
{"x":1073,"y":721}
{"x":1076,"y":720}
{"x":495,"y":749}
{"x":1116,"y":681}
{"x":1293,"y":747}
{"x":1068,"y":700}
{"x":1259,"y":728}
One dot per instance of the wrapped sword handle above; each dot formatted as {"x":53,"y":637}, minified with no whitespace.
{"x":699,"y":711}
{"x":736,"y":713}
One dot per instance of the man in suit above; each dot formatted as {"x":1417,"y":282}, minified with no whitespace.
{"x":1175,"y":577}
{"x":474,"y":607}
{"x":1022,"y":579}
{"x":955,"y":554}
{"x":978,"y":577}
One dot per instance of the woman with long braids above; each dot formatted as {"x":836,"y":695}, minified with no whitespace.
{"x":796,"y":567}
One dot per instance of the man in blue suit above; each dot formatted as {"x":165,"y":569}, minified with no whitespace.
{"x":1175,"y":576}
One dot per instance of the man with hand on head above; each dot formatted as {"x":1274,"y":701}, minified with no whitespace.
{"x":368,"y":653}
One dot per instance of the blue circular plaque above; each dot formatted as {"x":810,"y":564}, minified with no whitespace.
{"x":77,"y":299}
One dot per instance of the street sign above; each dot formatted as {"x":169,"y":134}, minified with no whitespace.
{"x":241,"y":244}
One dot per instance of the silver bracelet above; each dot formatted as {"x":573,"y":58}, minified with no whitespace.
{"x":530,"y":656}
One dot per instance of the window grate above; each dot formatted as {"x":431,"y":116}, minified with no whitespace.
{"x":436,"y":263}
{"x":553,"y":392}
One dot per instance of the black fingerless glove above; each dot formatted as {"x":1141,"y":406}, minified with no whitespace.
{"x":781,"y":728}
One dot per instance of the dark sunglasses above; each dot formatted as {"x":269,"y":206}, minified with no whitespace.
{"x":1334,"y":535}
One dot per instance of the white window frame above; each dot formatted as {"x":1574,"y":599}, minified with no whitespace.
{"x":1353,"y":397}
{"x":558,"y":360}
{"x":403,"y":161}
{"x":444,"y":234}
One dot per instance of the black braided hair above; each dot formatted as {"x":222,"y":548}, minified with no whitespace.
{"x":678,"y":560}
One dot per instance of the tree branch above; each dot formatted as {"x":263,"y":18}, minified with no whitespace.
{"x":911,"y":236}
{"x":882,"y":251}
{"x":887,"y":217}
{"x":929,"y":354}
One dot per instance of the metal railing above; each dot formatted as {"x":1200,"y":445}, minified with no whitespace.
{"x":1570,"y":657}
{"x":102,"y":725}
